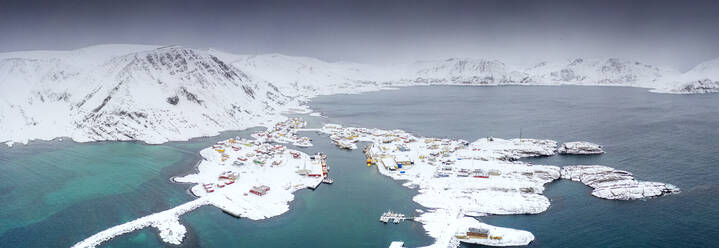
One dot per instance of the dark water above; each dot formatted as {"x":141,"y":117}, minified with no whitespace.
{"x":667,"y":138}
{"x":53,"y":194}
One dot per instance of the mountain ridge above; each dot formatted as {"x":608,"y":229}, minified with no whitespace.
{"x":161,"y":93}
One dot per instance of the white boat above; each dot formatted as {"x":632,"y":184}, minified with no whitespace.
{"x":396,"y":244}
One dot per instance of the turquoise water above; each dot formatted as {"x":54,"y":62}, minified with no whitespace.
{"x":56,"y":193}
{"x":53,"y":194}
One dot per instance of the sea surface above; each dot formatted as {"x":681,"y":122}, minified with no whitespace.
{"x":56,"y":193}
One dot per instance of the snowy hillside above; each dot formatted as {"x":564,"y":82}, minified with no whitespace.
{"x":463,"y":71}
{"x":156,"y":94}
{"x":610,"y":71}
{"x":168,"y":93}
{"x":703,"y":78}
{"x":301,"y":76}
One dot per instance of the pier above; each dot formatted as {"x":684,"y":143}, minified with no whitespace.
{"x":393,"y":217}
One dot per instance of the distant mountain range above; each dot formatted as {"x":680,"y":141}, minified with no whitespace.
{"x":157,"y":94}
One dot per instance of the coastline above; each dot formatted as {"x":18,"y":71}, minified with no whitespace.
{"x":299,"y":106}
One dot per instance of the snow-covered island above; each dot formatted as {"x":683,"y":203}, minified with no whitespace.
{"x":459,"y":180}
{"x":609,"y":183}
{"x":245,"y":178}
{"x":580,"y":148}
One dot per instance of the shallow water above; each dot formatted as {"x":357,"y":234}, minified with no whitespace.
{"x":56,"y":193}
{"x":53,"y":194}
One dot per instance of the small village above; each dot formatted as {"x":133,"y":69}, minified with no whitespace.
{"x":257,"y":177}
{"x":284,"y":132}
{"x":450,"y":173}
{"x":248,"y":157}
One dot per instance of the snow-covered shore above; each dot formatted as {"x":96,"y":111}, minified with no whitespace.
{"x":580,"y":148}
{"x":613,"y":184}
{"x":458,"y":179}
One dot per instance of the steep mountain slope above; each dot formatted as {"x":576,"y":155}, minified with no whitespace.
{"x":169,"y":93}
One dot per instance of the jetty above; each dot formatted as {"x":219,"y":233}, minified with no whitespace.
{"x":393,"y":217}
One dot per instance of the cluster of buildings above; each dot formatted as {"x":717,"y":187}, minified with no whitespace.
{"x":254,"y":152}
{"x":451,"y":172}
{"x":246,"y":154}
{"x":224,"y":179}
{"x":285,"y":132}
{"x":313,"y":170}
{"x":398,"y":152}
{"x":348,"y":137}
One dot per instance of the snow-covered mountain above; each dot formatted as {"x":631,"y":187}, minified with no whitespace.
{"x":463,"y":71}
{"x":156,"y":94}
{"x":609,"y":71}
{"x":307,"y":77}
{"x":703,"y":78}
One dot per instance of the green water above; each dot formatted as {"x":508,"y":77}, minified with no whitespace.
{"x":56,"y":193}
{"x":59,"y":178}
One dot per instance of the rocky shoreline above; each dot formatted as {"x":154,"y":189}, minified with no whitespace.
{"x":613,"y":184}
{"x":580,"y":148}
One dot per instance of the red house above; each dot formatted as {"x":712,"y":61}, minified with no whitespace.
{"x":260,"y":190}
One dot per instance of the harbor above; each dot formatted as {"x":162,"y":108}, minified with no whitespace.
{"x":250,"y":178}
{"x":451,"y":173}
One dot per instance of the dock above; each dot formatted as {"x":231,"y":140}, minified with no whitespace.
{"x":313,"y":187}
{"x":395,"y":218}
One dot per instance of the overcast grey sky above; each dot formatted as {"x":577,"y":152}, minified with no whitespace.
{"x":674,"y":33}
